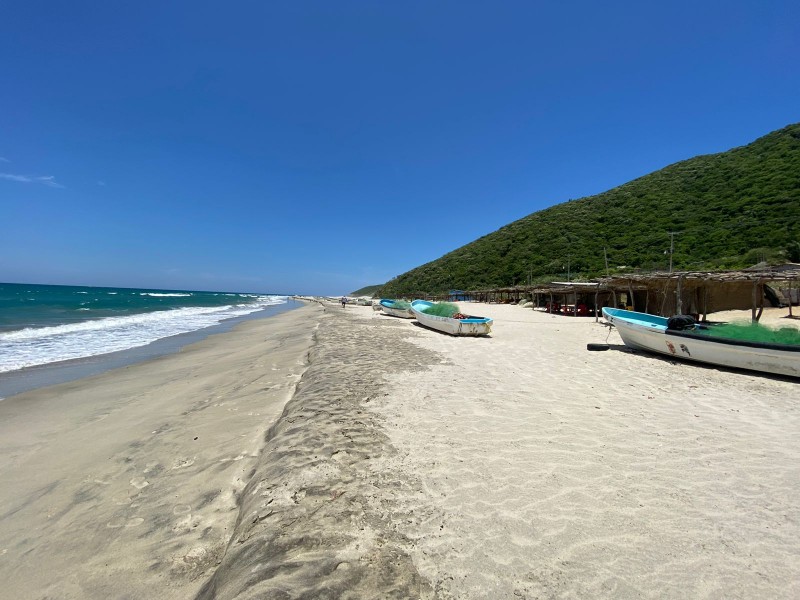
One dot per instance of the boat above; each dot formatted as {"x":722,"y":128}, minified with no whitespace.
{"x":467,"y":325}
{"x":396,"y":308}
{"x":697,"y":343}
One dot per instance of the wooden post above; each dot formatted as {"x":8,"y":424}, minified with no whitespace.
{"x":705,"y":302}
{"x":630,"y":293}
{"x":753,"y":304}
{"x":679,"y":300}
{"x":760,"y":301}
{"x":597,"y":309}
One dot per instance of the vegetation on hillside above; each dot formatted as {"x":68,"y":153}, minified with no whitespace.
{"x":370,"y":290}
{"x":720,"y":211}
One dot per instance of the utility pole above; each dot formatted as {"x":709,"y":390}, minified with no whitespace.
{"x":672,"y":235}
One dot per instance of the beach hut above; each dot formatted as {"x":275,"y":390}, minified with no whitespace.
{"x":700,"y":293}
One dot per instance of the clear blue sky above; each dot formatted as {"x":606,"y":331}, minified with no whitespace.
{"x":294,"y":146}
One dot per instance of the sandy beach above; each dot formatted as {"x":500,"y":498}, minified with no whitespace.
{"x":550,"y":471}
{"x":125,"y":485}
{"x":341,"y":453}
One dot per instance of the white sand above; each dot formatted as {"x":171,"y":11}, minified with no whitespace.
{"x":550,"y":471}
{"x":125,"y":485}
{"x":407,"y":464}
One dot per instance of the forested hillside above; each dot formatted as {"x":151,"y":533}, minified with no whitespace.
{"x":725,"y":210}
{"x":366,"y":291}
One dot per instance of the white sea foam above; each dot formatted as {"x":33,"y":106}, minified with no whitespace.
{"x":38,"y":346}
{"x":160,"y":295}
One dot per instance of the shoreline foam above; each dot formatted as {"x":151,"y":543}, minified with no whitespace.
{"x":34,"y":377}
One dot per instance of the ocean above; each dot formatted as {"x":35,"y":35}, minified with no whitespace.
{"x":46,"y":324}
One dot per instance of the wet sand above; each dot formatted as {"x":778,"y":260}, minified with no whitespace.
{"x":345,"y":454}
{"x":125,"y":485}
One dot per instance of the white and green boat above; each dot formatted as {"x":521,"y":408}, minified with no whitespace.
{"x":457,"y":324}
{"x":757,"y":350}
{"x":396,"y":308}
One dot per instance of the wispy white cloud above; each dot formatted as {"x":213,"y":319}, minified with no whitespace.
{"x":21,"y":178}
{"x":101,"y":183}
{"x":47,"y":180}
{"x":4,"y":160}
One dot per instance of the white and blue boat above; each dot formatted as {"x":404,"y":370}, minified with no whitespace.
{"x":468,"y":325}
{"x":652,"y":333}
{"x":396,"y":308}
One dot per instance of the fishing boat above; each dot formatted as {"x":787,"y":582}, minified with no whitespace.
{"x":652,"y":333}
{"x":396,"y":308}
{"x":465,"y":325}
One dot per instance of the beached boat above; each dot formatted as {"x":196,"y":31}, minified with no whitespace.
{"x":396,"y":308}
{"x":468,"y":325}
{"x":653,"y":333}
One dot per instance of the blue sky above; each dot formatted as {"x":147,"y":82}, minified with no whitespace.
{"x":293,"y":147}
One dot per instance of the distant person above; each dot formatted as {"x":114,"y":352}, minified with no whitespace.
{"x":344,"y":302}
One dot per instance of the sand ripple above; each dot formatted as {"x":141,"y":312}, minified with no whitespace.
{"x":563,"y":473}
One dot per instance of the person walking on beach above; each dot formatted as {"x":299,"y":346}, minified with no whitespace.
{"x":344,"y":302}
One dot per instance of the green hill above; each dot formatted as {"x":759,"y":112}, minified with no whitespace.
{"x":726,"y":210}
{"x":366,"y":291}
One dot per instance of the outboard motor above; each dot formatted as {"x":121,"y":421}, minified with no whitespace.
{"x":681,"y":322}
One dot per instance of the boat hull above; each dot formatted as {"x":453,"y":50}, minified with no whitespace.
{"x":387,"y":308}
{"x":650,"y":333}
{"x":472,"y":326}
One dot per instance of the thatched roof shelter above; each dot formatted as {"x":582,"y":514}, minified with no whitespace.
{"x":664,"y":293}
{"x":703,"y":292}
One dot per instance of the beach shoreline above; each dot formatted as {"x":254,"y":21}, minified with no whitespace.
{"x":127,"y":482}
{"x":31,"y":378}
{"x":346,"y":453}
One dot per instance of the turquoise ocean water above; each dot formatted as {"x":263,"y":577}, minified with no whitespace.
{"x":44,"y":324}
